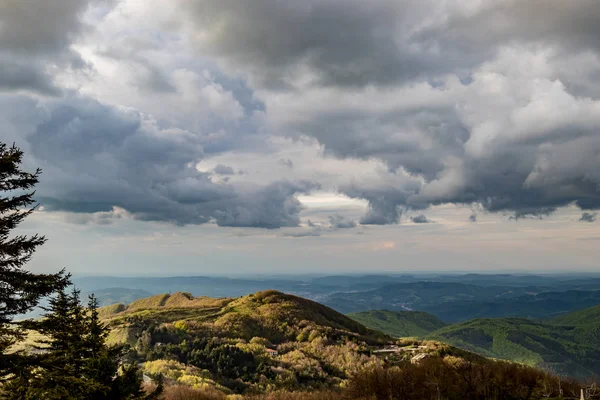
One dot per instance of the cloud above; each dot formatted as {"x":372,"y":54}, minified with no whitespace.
{"x":432,"y":90}
{"x":420,"y":219}
{"x":481,"y":103}
{"x":364,"y":47}
{"x":588,"y":217}
{"x":272,"y":206}
{"x":96,"y":158}
{"x":286,"y":162}
{"x":512,"y":140}
{"x":221,"y":169}
{"x":341,"y":222}
{"x":35,"y":41}
{"x":352,"y":43}
{"x":23,"y":76}
{"x":303,"y":233}
{"x":98,"y":218}
{"x":385,"y":199}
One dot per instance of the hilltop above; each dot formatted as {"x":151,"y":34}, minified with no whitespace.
{"x":399,"y":323}
{"x":263,"y":340}
{"x":269,"y":314}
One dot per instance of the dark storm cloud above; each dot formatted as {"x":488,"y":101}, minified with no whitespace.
{"x":45,"y":27}
{"x":384,"y":203}
{"x":508,"y":133}
{"x":352,"y":42}
{"x":273,"y":206}
{"x":571,"y":24}
{"x":96,"y":157}
{"x":36,"y":37}
{"x":414,"y":140}
{"x":344,"y":42}
{"x":221,"y":169}
{"x":420,"y":219}
{"x":492,"y":103}
{"x":16,"y":76}
{"x":588,"y":217}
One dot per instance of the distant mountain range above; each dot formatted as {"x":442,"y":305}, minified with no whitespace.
{"x":399,"y":323}
{"x":452,"y":298}
{"x":548,"y":321}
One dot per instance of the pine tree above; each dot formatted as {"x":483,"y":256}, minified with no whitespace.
{"x":20,"y":289}
{"x":59,"y":372}
{"x":76,"y":364}
{"x":102,"y":362}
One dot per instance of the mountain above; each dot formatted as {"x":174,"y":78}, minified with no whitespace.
{"x":585,"y":324}
{"x":272,"y":315}
{"x":581,"y":318}
{"x":452,"y":298}
{"x":422,"y":296}
{"x":532,"y":305}
{"x":566,"y":345}
{"x":456,"y":302}
{"x":399,"y":323}
{"x":254,"y":342}
{"x":270,"y":341}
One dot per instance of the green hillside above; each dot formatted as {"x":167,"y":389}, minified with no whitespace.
{"x":579,"y":318}
{"x":261,"y":341}
{"x":270,"y":341}
{"x":270,"y":314}
{"x":399,"y":323}
{"x":560,"y":348}
{"x":585,"y":324}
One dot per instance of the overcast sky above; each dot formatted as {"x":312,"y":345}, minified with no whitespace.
{"x":282,"y":136}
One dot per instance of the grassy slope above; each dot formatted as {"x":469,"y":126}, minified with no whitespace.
{"x":399,"y":323}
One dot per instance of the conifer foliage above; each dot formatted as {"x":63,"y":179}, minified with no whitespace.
{"x":20,"y":289}
{"x":75,"y":363}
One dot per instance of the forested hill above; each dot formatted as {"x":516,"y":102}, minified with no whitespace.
{"x":580,"y":319}
{"x":270,"y":341}
{"x":569,"y":344}
{"x":268,"y":314}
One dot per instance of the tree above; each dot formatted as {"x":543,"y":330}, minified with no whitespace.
{"x":20,"y":289}
{"x":76,"y":363}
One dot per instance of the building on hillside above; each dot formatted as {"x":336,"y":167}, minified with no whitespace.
{"x":419,"y":358}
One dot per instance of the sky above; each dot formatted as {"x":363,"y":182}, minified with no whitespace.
{"x":234,"y":137}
